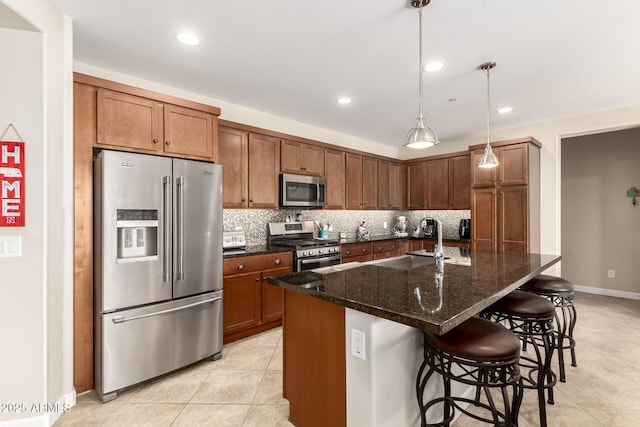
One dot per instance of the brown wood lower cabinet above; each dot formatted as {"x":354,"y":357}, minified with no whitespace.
{"x":357,"y":252}
{"x":387,"y":249}
{"x":251,"y":305}
{"x":314,"y":361}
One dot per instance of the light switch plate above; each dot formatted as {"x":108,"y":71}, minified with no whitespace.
{"x":358,"y":344}
{"x":10,"y":246}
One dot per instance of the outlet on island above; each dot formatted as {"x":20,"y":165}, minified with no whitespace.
{"x":358,"y":344}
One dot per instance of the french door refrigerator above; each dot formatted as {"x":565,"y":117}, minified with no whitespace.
{"x":158,"y":267}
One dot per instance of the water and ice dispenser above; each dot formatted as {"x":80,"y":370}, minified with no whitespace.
{"x":137,"y":235}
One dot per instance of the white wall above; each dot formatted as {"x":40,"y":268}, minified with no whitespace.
{"x":36,"y":290}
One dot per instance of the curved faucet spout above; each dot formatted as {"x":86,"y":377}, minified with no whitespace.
{"x":438,"y":254}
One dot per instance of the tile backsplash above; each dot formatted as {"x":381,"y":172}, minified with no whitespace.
{"x":254,"y":221}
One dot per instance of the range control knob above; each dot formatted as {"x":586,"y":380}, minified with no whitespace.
{"x":319,"y":251}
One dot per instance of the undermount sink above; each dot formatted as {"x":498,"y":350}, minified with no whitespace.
{"x":404,"y":262}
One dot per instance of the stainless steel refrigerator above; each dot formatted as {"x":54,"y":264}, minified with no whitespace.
{"x":158,"y":267}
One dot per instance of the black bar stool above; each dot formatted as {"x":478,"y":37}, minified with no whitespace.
{"x":560,"y":292}
{"x":530,"y":317}
{"x":479,"y":353}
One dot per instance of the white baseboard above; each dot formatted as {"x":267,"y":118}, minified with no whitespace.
{"x":46,"y":419}
{"x":607,"y":292}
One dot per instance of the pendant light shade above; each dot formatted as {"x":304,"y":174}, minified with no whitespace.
{"x":422,"y":135}
{"x":488,"y":159}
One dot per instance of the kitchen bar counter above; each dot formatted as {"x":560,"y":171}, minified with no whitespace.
{"x":352,"y":333}
{"x":469,"y":285}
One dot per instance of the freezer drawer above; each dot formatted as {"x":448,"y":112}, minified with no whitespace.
{"x":138,"y":344}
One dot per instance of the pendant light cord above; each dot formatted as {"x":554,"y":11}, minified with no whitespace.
{"x":420,"y":114}
{"x":488,"y":105}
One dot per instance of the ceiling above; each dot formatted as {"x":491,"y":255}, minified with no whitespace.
{"x":294,"y":58}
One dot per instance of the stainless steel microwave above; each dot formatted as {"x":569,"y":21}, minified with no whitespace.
{"x":302,"y":191}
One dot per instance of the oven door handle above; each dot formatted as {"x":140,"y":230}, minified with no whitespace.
{"x":322,"y":260}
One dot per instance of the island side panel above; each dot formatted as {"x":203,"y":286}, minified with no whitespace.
{"x":314,"y":361}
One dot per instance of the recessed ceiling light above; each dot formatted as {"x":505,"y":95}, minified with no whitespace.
{"x":505,"y":110}
{"x":434,"y":66}
{"x":344,"y":100}
{"x":188,"y":38}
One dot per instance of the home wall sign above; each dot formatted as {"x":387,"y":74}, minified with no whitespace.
{"x":12,"y":180}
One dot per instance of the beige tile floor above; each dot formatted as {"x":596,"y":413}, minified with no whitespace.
{"x":244,"y":388}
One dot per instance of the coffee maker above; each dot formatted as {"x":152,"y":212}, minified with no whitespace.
{"x":464,"y":230}
{"x":429,"y":227}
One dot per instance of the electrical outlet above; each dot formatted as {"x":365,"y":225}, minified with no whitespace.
{"x":611,"y":274}
{"x":358,"y":343}
{"x":384,"y":224}
{"x":10,"y":246}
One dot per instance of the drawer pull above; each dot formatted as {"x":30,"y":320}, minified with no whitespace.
{"x":379,"y":248}
{"x":277,"y":261}
{"x":348,"y":252}
{"x":240,"y":267}
{"x":364,"y":250}
{"x":167,"y":142}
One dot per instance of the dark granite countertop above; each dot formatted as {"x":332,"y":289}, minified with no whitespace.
{"x":255,"y":250}
{"x":381,"y":237}
{"x":469,"y":284}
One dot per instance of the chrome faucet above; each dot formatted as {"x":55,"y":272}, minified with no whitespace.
{"x":437,"y":252}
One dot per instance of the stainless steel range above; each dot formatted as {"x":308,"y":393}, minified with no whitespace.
{"x":309,"y":252}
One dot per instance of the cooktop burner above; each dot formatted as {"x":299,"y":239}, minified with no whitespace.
{"x":305,"y":243}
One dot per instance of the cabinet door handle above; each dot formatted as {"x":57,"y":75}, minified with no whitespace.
{"x":243,"y":200}
{"x":155,"y":140}
{"x":393,"y":246}
{"x":348,"y":252}
{"x":379,"y":248}
{"x":250,"y":200}
{"x":240,"y":267}
{"x":277,"y":261}
{"x":167,"y":142}
{"x":364,"y":250}
{"x":257,"y":279}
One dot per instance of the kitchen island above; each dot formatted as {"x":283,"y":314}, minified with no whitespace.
{"x":353,"y":332}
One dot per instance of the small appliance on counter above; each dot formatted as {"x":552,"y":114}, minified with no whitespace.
{"x":465,"y":229}
{"x":400,"y":229}
{"x":234,"y":241}
{"x":429,"y":227}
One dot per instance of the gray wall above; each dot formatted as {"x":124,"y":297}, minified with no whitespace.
{"x":600,"y":226}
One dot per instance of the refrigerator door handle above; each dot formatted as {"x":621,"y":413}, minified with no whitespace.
{"x":166,"y":236}
{"x":120,"y":319}
{"x":180,"y":228}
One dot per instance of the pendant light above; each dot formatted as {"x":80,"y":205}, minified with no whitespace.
{"x":422,"y":135}
{"x":488,"y":159}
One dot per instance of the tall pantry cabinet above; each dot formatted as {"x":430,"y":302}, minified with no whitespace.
{"x":505,"y":201}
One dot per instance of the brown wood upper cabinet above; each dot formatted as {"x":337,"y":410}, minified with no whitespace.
{"x":301,"y":158}
{"x":505,"y":211}
{"x":361,"y":182}
{"x":513,"y":168}
{"x":146,"y":125}
{"x":334,"y":174}
{"x":250,"y":169}
{"x":460,"y":182}
{"x":389,"y":185}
